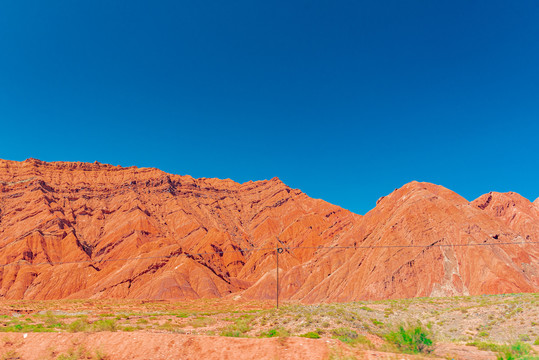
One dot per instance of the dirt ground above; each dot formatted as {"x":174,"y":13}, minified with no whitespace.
{"x":161,"y":346}
{"x":140,"y":346}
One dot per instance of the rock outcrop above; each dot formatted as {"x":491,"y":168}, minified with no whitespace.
{"x":80,"y":230}
{"x":415,"y":242}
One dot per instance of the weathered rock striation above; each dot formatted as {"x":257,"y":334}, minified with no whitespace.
{"x":80,"y":230}
{"x":435,"y":225}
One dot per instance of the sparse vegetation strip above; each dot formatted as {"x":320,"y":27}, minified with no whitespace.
{"x":504,"y":324}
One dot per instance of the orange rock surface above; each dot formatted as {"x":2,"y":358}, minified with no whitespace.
{"x":436,"y":224}
{"x":80,"y":230}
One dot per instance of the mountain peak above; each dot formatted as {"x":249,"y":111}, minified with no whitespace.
{"x":126,"y":232}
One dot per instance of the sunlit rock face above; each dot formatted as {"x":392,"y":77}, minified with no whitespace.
{"x":81,"y":230}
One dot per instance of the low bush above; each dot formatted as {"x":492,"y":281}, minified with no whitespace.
{"x":81,"y":353}
{"x":345,"y":335}
{"x":201,"y":321}
{"x":518,"y":350}
{"x":230,"y":332}
{"x":350,"y":336}
{"x":311,"y":335}
{"x":275,"y":332}
{"x":26,"y":328}
{"x":79,"y":325}
{"x":105,"y":325}
{"x":240,"y":327}
{"x":412,"y":339}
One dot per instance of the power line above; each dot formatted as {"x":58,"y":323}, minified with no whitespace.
{"x":135,"y":258}
{"x":410,"y":246}
{"x":253,"y":249}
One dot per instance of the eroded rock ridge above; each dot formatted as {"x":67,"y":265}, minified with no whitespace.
{"x":81,"y":230}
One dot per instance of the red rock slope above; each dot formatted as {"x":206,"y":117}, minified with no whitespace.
{"x":68,"y":212}
{"x":436,"y":224}
{"x":63,"y":226}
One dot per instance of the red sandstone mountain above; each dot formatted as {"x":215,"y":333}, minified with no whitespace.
{"x":423,"y":216}
{"x":63,"y":227}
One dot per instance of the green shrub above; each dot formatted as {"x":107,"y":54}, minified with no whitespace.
{"x":345,"y":335}
{"x":311,"y":335}
{"x":410,"y":339}
{"x":243,"y":325}
{"x":518,"y":350}
{"x":230,"y":332}
{"x":167,"y":326}
{"x":485,"y":346}
{"x":105,"y":325}
{"x":26,"y":328}
{"x":350,"y":336}
{"x":202,"y":321}
{"x":240,"y":327}
{"x":79,"y":325}
{"x":269,"y":333}
{"x":53,"y":322}
{"x":275,"y":332}
{"x":75,"y":354}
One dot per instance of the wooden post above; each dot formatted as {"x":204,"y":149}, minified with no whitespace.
{"x":277,"y":257}
{"x":277,"y":252}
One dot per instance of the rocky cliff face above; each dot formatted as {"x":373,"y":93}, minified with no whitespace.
{"x":79,"y":230}
{"x":436,"y":225}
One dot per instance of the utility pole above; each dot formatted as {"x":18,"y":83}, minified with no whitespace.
{"x":278,"y":250}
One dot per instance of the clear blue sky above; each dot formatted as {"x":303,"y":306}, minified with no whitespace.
{"x":345,"y":100}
